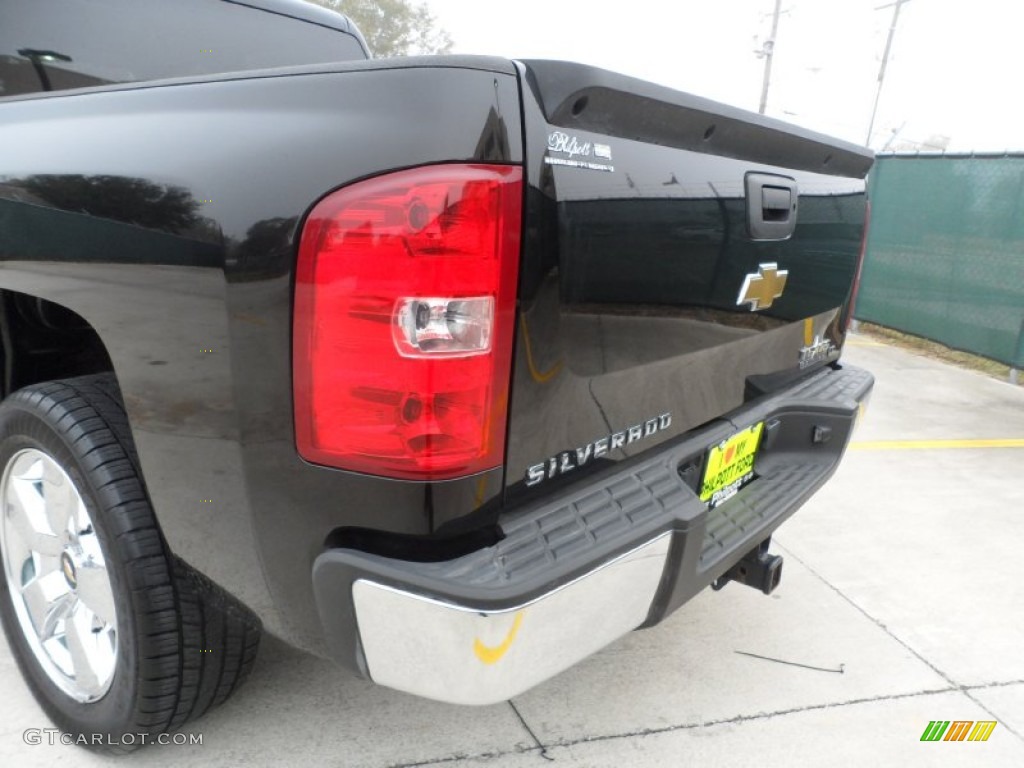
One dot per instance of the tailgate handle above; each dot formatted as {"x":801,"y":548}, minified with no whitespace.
{"x":771,"y":206}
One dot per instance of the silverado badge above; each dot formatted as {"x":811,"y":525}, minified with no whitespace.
{"x":567,"y":461}
{"x":761,"y":289}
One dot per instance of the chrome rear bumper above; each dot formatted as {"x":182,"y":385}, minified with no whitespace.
{"x":575,"y":572}
{"x":467,"y":655}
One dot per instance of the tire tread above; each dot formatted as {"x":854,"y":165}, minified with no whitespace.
{"x":196,"y":643}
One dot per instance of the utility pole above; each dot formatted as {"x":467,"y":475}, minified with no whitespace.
{"x":767,"y":50}
{"x":895,"y":134}
{"x":885,"y":60}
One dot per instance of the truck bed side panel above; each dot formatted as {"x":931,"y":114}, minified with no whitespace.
{"x":167,"y":217}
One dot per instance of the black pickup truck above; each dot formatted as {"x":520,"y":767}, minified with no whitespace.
{"x":452,"y":369}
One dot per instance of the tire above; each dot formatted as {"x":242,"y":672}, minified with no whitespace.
{"x":160,"y":645}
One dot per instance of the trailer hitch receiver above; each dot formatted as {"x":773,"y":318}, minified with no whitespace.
{"x":757,"y":569}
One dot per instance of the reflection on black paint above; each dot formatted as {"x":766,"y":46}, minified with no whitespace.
{"x":133,"y":201}
{"x":38,"y":59}
{"x":693,"y":253}
{"x":34,"y":71}
{"x":493,"y":145}
{"x":105,"y":219}
{"x":265,"y":251}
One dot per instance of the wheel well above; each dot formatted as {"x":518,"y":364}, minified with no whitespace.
{"x":42,"y":340}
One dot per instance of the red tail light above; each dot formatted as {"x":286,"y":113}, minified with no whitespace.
{"x":404,"y":316}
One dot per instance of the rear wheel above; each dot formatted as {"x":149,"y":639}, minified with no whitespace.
{"x":115,"y":636}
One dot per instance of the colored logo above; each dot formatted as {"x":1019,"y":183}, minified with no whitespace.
{"x":762,"y":289}
{"x":958,"y":730}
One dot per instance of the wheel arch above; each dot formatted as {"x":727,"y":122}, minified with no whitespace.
{"x":163,"y":337}
{"x":42,"y":340}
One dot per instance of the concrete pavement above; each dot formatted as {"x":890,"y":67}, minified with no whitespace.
{"x":902,"y":599}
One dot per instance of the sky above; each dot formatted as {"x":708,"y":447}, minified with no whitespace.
{"x":953,"y":71}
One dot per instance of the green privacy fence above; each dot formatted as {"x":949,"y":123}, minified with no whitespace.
{"x":945,"y":252}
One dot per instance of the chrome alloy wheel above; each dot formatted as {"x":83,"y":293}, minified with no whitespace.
{"x":57,"y":576}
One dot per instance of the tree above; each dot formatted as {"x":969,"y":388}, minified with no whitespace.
{"x":394,"y":27}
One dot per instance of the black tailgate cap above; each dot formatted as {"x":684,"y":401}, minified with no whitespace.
{"x":593,"y":99}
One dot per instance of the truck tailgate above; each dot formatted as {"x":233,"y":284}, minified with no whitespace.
{"x":680,"y":258}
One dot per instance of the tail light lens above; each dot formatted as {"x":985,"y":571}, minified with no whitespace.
{"x":404,"y":318}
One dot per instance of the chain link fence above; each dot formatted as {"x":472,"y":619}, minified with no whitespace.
{"x":945,"y":251}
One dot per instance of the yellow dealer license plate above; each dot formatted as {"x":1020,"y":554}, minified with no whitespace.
{"x":730,"y":465}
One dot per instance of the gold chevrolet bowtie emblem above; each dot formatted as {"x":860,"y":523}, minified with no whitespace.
{"x":760,"y":290}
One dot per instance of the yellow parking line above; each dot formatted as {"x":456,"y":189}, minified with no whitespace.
{"x":854,"y":343}
{"x":914,"y":445}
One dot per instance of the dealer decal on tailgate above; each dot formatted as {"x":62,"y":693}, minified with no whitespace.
{"x":730,"y":465}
